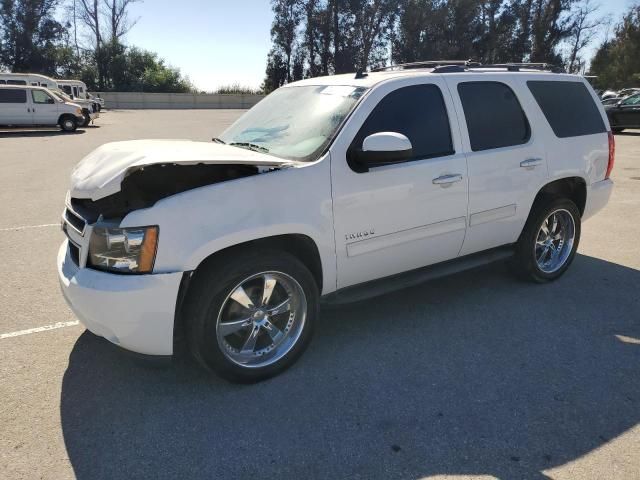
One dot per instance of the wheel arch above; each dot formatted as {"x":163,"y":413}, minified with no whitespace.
{"x":574,"y":188}
{"x":303,"y":247}
{"x":63,"y":116}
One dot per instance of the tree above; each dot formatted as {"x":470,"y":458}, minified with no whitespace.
{"x":29,"y":35}
{"x":89,"y":14}
{"x":585,"y":28}
{"x":118,"y":16}
{"x":617,"y":62}
{"x":287,"y":19}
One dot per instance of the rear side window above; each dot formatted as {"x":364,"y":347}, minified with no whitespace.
{"x":568,"y":107}
{"x":10,"y":95}
{"x":494,"y":116}
{"x":419,"y":113}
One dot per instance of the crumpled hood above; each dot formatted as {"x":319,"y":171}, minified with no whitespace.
{"x":101,"y":172}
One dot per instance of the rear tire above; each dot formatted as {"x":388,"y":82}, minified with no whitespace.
{"x":616,"y":129}
{"x":68,"y":123}
{"x":549,"y":240}
{"x":244,"y":338}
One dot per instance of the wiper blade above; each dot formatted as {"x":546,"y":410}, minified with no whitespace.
{"x":250,"y":146}
{"x":218,"y":140}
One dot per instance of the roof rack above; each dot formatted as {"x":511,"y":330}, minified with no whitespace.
{"x":426,"y":64}
{"x":447,"y":66}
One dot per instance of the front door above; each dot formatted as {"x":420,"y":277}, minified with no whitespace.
{"x":45,"y":108}
{"x":399,"y":217}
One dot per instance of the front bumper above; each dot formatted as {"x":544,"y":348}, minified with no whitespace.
{"x":135,"y":312}
{"x":598,"y":194}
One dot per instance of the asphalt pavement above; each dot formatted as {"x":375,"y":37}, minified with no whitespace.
{"x":477,"y":375}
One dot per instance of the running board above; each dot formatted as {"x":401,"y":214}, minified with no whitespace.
{"x":411,"y":278}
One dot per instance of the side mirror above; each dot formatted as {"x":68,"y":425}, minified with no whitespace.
{"x":378,"y":149}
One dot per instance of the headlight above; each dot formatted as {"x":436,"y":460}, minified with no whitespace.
{"x":78,"y":111}
{"x":123,"y":250}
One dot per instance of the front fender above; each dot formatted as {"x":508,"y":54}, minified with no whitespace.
{"x":197,"y":223}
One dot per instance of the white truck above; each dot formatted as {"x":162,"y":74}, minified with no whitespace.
{"x":90,"y":108}
{"x":339,"y":187}
{"x":37,"y":107}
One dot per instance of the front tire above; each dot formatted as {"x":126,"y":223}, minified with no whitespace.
{"x":251,"y":317}
{"x":68,"y":124}
{"x":549,"y":240}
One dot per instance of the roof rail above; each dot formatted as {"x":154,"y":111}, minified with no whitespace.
{"x":426,"y":64}
{"x":444,"y":66}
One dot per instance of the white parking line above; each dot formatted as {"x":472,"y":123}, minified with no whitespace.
{"x":39,"y":329}
{"x":25,"y":227}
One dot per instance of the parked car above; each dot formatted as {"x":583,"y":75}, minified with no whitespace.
{"x":611,"y":101}
{"x":624,"y":113}
{"x":89,"y":107}
{"x":37,"y":106}
{"x":609,"y":94}
{"x":99,"y":100}
{"x":625,"y":92}
{"x":339,"y":187}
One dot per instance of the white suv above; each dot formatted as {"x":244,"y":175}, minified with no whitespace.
{"x":37,"y":106}
{"x":340,"y":187}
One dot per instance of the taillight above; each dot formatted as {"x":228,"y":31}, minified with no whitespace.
{"x":612,"y":154}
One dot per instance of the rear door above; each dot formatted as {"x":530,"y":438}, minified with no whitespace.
{"x":44,"y":108}
{"x":506,"y":164}
{"x":14,"y":107}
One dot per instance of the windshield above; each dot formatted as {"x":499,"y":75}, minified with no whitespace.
{"x":61,"y":94}
{"x":57,"y":96}
{"x":295,"y":123}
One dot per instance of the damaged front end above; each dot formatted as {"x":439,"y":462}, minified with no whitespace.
{"x":144,"y":186}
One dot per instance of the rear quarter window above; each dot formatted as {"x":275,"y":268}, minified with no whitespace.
{"x":568,"y":107}
{"x":10,"y":95}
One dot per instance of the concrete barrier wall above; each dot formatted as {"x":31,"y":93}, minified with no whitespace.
{"x":139,"y":100}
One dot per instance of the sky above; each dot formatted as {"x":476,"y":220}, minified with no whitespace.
{"x":220,"y":42}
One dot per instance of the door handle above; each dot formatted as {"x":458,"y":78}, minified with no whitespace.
{"x":446,"y":180}
{"x":531,"y":163}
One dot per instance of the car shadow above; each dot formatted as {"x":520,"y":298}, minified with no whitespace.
{"x":472,"y":374}
{"x":6,"y":133}
{"x":626,"y":133}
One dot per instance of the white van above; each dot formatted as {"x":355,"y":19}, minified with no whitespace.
{"x":37,"y":106}
{"x":90,"y":108}
{"x":77,"y":88}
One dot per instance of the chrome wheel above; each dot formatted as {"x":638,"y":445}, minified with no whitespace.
{"x":554,"y":241}
{"x":68,"y":124}
{"x":261,"y":319}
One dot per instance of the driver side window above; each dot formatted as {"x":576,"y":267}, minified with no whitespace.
{"x":41,"y":97}
{"x":419,"y":113}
